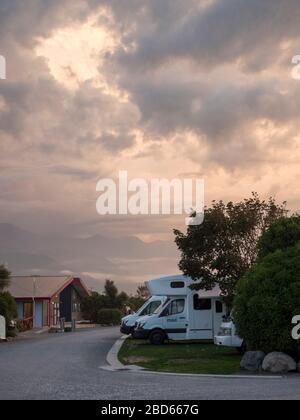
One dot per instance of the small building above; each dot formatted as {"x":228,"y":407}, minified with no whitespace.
{"x":45,"y":300}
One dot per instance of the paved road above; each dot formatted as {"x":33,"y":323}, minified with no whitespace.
{"x":68,"y":367}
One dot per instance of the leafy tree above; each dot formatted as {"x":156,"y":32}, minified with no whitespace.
{"x":8,"y":307}
{"x":111,"y":299}
{"x":109,"y":317}
{"x":4,"y":277}
{"x":268,"y":298}
{"x":222,"y":249}
{"x":282,"y":234}
{"x":142,"y":292}
{"x":122,"y":300}
{"x":111,"y":294}
{"x":91,"y":306}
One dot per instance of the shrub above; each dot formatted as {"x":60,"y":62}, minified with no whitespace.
{"x":109,"y":317}
{"x":282,"y":234}
{"x":8,"y":307}
{"x":268,"y":298}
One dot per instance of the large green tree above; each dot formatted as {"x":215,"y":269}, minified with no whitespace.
{"x":282,"y":234}
{"x":223,"y":248}
{"x":267,"y":300}
{"x":4,"y":277}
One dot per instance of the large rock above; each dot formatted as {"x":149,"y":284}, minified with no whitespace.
{"x":279,"y":363}
{"x":252,"y":361}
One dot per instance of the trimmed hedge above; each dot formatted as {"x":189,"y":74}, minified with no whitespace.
{"x":267,"y":300}
{"x":109,"y":317}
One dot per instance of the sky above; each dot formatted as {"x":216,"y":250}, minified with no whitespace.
{"x":160,"y":88}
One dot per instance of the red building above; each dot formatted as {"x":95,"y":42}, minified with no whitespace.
{"x":45,"y":300}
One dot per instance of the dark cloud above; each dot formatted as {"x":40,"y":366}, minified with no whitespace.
{"x":206,"y":83}
{"x":222,"y":32}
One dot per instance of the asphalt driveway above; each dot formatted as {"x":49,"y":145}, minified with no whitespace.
{"x":68,"y":366}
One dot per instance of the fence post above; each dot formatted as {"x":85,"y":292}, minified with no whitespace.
{"x":62,"y":324}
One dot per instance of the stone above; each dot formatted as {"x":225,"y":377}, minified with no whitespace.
{"x":252,"y":361}
{"x":279,"y":363}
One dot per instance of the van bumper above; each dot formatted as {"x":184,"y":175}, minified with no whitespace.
{"x":141,"y":334}
{"x":126,"y":329}
{"x":223,"y":341}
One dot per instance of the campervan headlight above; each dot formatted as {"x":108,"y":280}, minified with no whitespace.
{"x":225,"y":332}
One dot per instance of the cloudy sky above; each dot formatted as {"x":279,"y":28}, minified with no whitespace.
{"x":161,"y":88}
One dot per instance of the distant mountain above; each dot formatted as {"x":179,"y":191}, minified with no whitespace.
{"x":127,"y":259}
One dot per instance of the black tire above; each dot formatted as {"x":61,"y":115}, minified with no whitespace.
{"x":243,"y":349}
{"x":157,"y":337}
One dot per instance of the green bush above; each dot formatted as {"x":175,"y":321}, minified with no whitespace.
{"x":8,"y":307}
{"x":109,"y":317}
{"x":282,"y":234}
{"x":267,"y":300}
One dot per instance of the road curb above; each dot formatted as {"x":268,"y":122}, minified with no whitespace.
{"x":113,"y":362}
{"x":114,"y":365}
{"x":112,"y":356}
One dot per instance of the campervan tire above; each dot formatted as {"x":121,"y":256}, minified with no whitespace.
{"x":243,"y":349}
{"x":157,"y":337}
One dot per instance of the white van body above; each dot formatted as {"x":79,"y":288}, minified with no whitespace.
{"x":186,"y":315}
{"x":129,"y":321}
{"x":227,"y":336}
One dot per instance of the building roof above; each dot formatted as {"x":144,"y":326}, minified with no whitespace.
{"x":44,"y":287}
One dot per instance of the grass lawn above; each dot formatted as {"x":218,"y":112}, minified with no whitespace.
{"x":181,"y":357}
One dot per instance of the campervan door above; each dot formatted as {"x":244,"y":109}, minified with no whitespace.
{"x":206,"y":311}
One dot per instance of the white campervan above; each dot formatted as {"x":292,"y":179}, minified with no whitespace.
{"x":186,"y":315}
{"x":152,"y":304}
{"x":227,"y":336}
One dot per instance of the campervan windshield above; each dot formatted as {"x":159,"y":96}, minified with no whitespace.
{"x":161,"y":307}
{"x":149,"y":308}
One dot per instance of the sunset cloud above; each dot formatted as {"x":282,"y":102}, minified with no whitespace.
{"x":158,"y":88}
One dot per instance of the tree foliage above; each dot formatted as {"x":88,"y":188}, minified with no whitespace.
{"x":4,"y":277}
{"x":8,"y":307}
{"x":222,"y":249}
{"x":268,"y":298}
{"x":142,"y":292}
{"x":109,"y":317}
{"x":282,"y":234}
{"x":110,"y":299}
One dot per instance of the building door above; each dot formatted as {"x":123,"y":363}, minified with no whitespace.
{"x":28,"y":310}
{"x":38,"y":314}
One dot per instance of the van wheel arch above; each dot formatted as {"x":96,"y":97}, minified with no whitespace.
{"x":157,"y":337}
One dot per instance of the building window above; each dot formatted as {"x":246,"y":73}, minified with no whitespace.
{"x":201,"y":304}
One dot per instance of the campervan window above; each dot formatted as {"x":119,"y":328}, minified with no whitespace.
{"x":201,"y":304}
{"x":219,"y":307}
{"x":177,"y":284}
{"x":174,"y":308}
{"x":151,"y":308}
